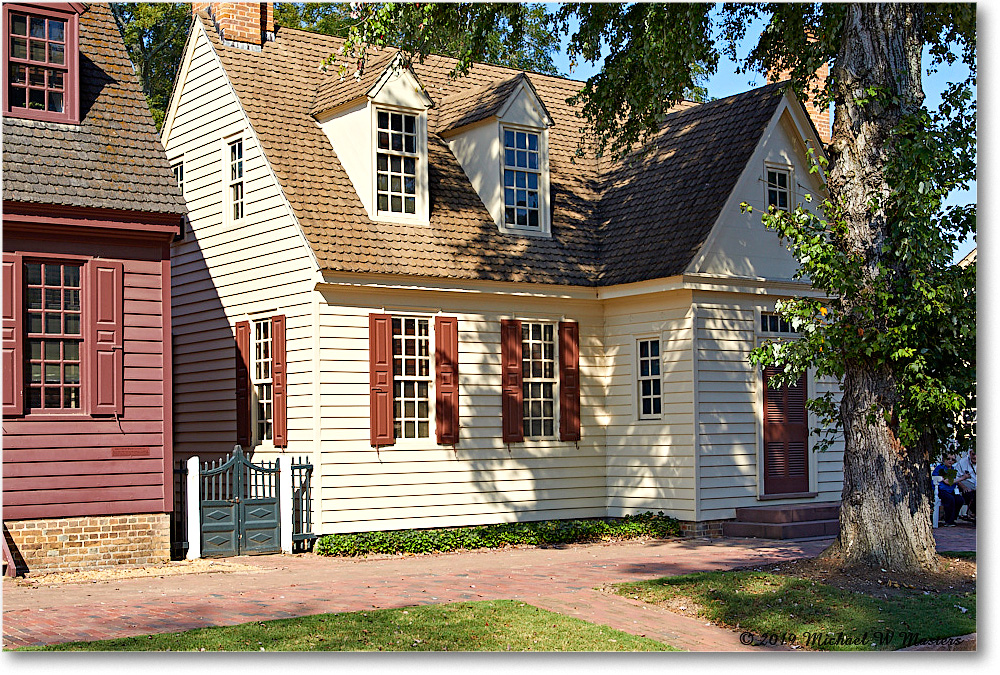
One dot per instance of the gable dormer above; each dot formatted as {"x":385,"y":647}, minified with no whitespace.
{"x":499,"y":134}
{"x":387,"y":105}
{"x":41,"y":69}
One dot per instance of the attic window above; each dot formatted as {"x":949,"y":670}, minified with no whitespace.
{"x":396,"y":162}
{"x":521,"y":178}
{"x":777,"y":189}
{"x":40,"y":64}
{"x":771,"y":322}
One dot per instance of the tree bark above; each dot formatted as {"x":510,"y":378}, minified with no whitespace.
{"x":886,"y":503}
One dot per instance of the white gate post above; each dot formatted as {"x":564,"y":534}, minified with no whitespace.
{"x":193,"y":508}
{"x":285,"y":503}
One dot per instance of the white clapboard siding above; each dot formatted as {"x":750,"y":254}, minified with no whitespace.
{"x":650,"y":463}
{"x":222,"y":273}
{"x":729,"y":418}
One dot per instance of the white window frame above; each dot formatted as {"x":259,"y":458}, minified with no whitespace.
{"x":527,"y":380}
{"x":229,"y":181}
{"x":421,"y":211}
{"x":768,"y":186}
{"x":784,"y":328}
{"x":651,"y":377}
{"x":262,"y":379}
{"x":399,"y":380}
{"x":544,"y":228}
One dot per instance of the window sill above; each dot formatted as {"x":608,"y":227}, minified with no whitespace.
{"x":518,"y":232}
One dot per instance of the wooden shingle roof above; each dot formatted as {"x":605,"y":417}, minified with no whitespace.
{"x":600,"y":213}
{"x":113,"y":158}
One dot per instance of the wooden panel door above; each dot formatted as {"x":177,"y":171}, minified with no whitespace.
{"x":786,"y":435}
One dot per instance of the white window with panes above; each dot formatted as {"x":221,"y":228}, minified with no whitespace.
{"x":262,"y":382}
{"x":234,"y":180}
{"x":522,"y":178}
{"x":412,"y":378}
{"x":648,"y":378}
{"x":778,"y":188}
{"x":771,"y":322}
{"x":539,"y":379}
{"x":396,"y":157}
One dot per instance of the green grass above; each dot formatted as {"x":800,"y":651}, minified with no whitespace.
{"x":965,"y":555}
{"x":770,"y":605}
{"x":541,"y":533}
{"x":488,"y":626}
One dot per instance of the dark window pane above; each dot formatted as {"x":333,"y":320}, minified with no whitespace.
{"x":34,"y":349}
{"x":53,"y":323}
{"x":17,"y":97}
{"x":71,"y":351}
{"x":37,"y":50}
{"x":34,"y":398}
{"x":71,"y":397}
{"x":397,"y":204}
{"x":53,"y":275}
{"x":410,"y":205}
{"x":36,"y":373}
{"x":52,"y":350}
{"x":57,"y":54}
{"x":53,"y":374}
{"x":409,"y":166}
{"x":508,"y":138}
{"x":34,"y":298}
{"x":34,"y":322}
{"x":72,"y":324}
{"x":397,"y":122}
{"x":383,"y":120}
{"x":18,"y":24}
{"x":36,"y":77}
{"x":410,"y":126}
{"x":19,"y":48}
{"x":383,"y":140}
{"x":411,"y":144}
{"x":55,"y":79}
{"x":52,"y":398}
{"x":57,"y":30}
{"x":18,"y":74}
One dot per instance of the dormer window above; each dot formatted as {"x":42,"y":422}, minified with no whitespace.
{"x":40,"y":63}
{"x":521,"y":178}
{"x":396,"y":162}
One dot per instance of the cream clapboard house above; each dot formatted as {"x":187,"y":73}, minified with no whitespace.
{"x":409,"y":279}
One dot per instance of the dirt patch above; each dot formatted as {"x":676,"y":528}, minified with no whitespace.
{"x":954,"y":576}
{"x":200,"y":566}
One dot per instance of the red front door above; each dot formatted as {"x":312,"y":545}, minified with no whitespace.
{"x":786,"y":466}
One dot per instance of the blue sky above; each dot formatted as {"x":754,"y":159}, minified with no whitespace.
{"x":726,"y":82}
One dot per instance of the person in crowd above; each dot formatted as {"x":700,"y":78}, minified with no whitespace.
{"x":946,"y":489}
{"x":966,"y":468}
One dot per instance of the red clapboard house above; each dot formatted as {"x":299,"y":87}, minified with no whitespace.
{"x":90,"y":206}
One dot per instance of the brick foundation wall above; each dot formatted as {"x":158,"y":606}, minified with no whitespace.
{"x":704,"y":528}
{"x":91,"y":542}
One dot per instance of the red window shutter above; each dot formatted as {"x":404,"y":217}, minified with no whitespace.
{"x":13,"y":357}
{"x":279,"y":383}
{"x":380,"y":361}
{"x":512,"y":392}
{"x":106,"y":369}
{"x":446,"y":379}
{"x":243,"y":383}
{"x":569,"y":381}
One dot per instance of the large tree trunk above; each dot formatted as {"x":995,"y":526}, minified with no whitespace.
{"x":885,"y":509}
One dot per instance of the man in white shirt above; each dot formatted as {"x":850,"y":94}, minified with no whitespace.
{"x":966,"y":468}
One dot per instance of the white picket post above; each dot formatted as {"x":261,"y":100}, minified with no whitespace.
{"x":285,"y":503}
{"x":193,"y":508}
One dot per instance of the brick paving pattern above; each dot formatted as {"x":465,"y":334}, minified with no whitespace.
{"x":560,"y":579}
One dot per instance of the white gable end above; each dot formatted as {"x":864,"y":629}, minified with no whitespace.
{"x":523,"y":109}
{"x":739,"y":244}
{"x":398,"y":87}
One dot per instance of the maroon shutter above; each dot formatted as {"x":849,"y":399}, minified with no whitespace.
{"x":380,"y":378}
{"x":106,"y":369}
{"x":243,"y":383}
{"x":446,"y":379}
{"x":279,"y":382}
{"x":13,"y":358}
{"x":569,"y":381}
{"x":512,"y":392}
{"x":786,"y":436}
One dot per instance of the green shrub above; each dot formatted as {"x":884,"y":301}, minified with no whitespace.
{"x":540,"y":533}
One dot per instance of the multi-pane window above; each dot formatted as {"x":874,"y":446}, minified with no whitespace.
{"x":777,"y":189}
{"x":54,"y":335}
{"x":396,"y":163}
{"x":538,"y":377}
{"x":235,"y":176}
{"x":650,"y":398}
{"x":262,"y":381}
{"x":38,"y":75}
{"x":772,"y":323}
{"x":178,"y":170}
{"x":521,"y":176}
{"x":411,"y":369}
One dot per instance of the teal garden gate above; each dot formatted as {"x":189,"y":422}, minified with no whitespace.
{"x":239,"y":507}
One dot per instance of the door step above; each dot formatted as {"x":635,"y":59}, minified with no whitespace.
{"x":785,"y":521}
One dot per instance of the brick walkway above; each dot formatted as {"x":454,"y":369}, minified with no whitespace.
{"x":560,"y":579}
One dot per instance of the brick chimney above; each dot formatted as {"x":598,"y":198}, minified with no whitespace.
{"x":241,"y":24}
{"x":820,"y":116}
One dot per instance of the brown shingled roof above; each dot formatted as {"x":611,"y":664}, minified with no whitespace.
{"x":659,"y":210}
{"x":112,"y":159}
{"x":469,"y":106}
{"x":336,"y":90}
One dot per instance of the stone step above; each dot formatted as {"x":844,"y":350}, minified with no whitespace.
{"x":788,"y":513}
{"x":796,"y":530}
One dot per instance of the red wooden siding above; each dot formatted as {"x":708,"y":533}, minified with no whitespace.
{"x":380,"y":379}
{"x":786,"y":436}
{"x":77,"y":464}
{"x":446,"y":379}
{"x":279,"y":383}
{"x":13,"y":361}
{"x":243,"y":402}
{"x":512,"y":392}
{"x":569,"y":381}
